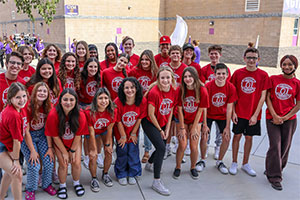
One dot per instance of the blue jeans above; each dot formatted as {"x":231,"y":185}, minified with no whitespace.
{"x":40,"y":144}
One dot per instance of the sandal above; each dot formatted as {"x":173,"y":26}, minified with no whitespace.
{"x":145,"y":157}
{"x":62,"y":193}
{"x":79,"y":190}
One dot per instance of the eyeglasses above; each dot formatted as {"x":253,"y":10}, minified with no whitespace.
{"x":15,"y":62}
{"x":251,"y":58}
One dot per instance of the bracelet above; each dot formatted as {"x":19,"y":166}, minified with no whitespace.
{"x":107,"y":145}
{"x":182,"y":128}
{"x":160,"y":130}
{"x":123,"y":137}
{"x":72,"y":151}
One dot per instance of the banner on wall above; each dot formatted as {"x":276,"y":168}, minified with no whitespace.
{"x":71,"y":10}
{"x":291,"y":7}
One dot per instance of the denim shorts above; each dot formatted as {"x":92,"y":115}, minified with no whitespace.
{"x":97,"y":135}
{"x":2,"y":147}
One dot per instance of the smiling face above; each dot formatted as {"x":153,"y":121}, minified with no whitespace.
{"x":188,"y":79}
{"x":111,"y":53}
{"x":165,"y":79}
{"x":93,"y":53}
{"x":51,"y":53}
{"x":145,"y":62}
{"x":214,"y":56}
{"x":14,"y":66}
{"x":81,"y":51}
{"x":42,"y":93}
{"x":164,"y":48}
{"x":221,"y":76}
{"x":68,"y":102}
{"x":128,"y":46}
{"x":102,"y":101}
{"x":251,"y":59}
{"x":129,"y":90}
{"x":188,"y":53}
{"x":46,"y":71}
{"x":175,"y":56}
{"x":19,"y":101}
{"x":27,"y":56}
{"x":121,"y":63}
{"x":92,"y":68}
{"x":287,"y":66}
{"x":70,"y":63}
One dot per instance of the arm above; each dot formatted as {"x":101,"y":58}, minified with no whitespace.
{"x":234,"y":116}
{"x":133,"y":135}
{"x":229,"y":111}
{"x":276,"y":119}
{"x":253,"y":119}
{"x":182,"y":131}
{"x":61,"y":147}
{"x":167,"y":130}
{"x":34,"y":156}
{"x":50,"y":151}
{"x":292,"y":112}
{"x":15,"y":156}
{"x":205,"y":128}
{"x":122,"y":132}
{"x":194,"y":133}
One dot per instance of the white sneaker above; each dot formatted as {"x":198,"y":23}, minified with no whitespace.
{"x":167,"y":152}
{"x":158,"y":186}
{"x":233,"y":168}
{"x":187,"y":151}
{"x":131,"y":181}
{"x":247,"y":168}
{"x":174,"y":140}
{"x":86,"y":162}
{"x":200,"y":166}
{"x":217,"y":152}
{"x":222,"y":167}
{"x":174,"y":149}
{"x":123,"y":181}
{"x":100,"y":161}
{"x":149,"y":167}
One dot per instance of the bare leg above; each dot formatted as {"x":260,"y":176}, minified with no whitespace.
{"x":235,"y":146}
{"x":247,"y":149}
{"x":181,"y":148}
{"x":194,"y":148}
{"x":224,"y":147}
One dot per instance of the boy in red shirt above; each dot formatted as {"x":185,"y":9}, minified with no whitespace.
{"x":251,"y":84}
{"x":222,"y":95}
{"x":163,"y":57}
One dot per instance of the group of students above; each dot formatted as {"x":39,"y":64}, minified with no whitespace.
{"x":74,"y":96}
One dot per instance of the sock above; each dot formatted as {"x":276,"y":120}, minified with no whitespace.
{"x":62,"y":185}
{"x":76,"y":182}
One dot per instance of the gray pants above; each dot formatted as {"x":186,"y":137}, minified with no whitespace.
{"x":218,"y":140}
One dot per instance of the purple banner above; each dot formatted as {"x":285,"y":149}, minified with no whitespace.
{"x":71,"y":10}
{"x":291,"y":7}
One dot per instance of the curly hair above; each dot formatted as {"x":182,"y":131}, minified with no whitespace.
{"x":62,"y":73}
{"x":58,"y":57}
{"x":138,"y":94}
{"x":94,"y":105}
{"x":84,"y":73}
{"x":34,"y":106}
{"x":153,"y":65}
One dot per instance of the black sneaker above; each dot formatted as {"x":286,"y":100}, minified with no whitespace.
{"x":176,"y":173}
{"x":194,"y":174}
{"x":276,"y":185}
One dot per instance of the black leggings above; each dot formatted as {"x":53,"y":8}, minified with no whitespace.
{"x":154,"y":136}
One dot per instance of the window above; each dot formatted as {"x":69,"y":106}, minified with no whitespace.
{"x":252,"y":5}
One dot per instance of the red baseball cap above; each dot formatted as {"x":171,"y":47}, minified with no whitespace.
{"x":165,"y":40}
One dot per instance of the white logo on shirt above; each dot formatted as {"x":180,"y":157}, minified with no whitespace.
{"x":53,"y":98}
{"x":69,"y":83}
{"x":165,"y":106}
{"x":37,"y":125}
{"x":282,"y":91}
{"x":218,"y":99}
{"x":4,"y":96}
{"x":163,"y":64}
{"x":211,"y":77}
{"x":189,"y":104}
{"x":129,"y":118}
{"x":116,"y":82}
{"x":248,"y":85}
{"x":26,"y":78}
{"x":91,"y":88}
{"x":101,"y":123}
{"x":69,"y":135}
{"x":144,"y":81}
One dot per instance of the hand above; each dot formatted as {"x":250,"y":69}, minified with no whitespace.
{"x":122,"y":142}
{"x":72,"y":157}
{"x":205,"y":129}
{"x":65,"y":158}
{"x":34,"y":158}
{"x":50,"y":154}
{"x":163,"y":135}
{"x":134,"y":138}
{"x":252,"y":121}
{"x":226,"y":133}
{"x":108,"y":149}
{"x":93,"y":154}
{"x":234,"y":118}
{"x":181,"y":134}
{"x":277,"y":120}
{"x":16,"y":167}
{"x":194,"y":134}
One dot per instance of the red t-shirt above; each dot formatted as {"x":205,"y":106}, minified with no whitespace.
{"x":283,"y":93}
{"x":219,"y":97}
{"x":56,"y":66}
{"x":26,"y":75}
{"x":81,"y":65}
{"x":190,"y":106}
{"x":134,"y":60}
{"x":13,"y":125}
{"x":4,"y":85}
{"x":70,"y":81}
{"x":100,"y":121}
{"x":40,"y":123}
{"x":163,"y":103}
{"x":52,"y":123}
{"x":87,"y":91}
{"x":111,"y":79}
{"x":207,"y":74}
{"x":144,"y":77}
{"x":160,"y":61}
{"x":103,"y":65}
{"x":249,"y":86}
{"x":128,"y":115}
{"x":178,"y":72}
{"x":197,"y":67}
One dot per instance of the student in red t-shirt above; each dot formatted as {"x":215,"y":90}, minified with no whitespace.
{"x":53,"y":53}
{"x":45,"y":72}
{"x":161,"y":100}
{"x":222,"y":95}
{"x":113,"y":76}
{"x":251,"y":84}
{"x":69,"y":72}
{"x":28,"y":55}
{"x":128,"y":44}
{"x":66,"y":124}
{"x":281,"y":118}
{"x":13,"y":123}
{"x":82,"y":53}
{"x":101,"y":119}
{"x":36,"y":145}
{"x":163,"y":57}
{"x":14,"y":62}
{"x":193,"y":100}
{"x":188,"y":57}
{"x":145,"y":72}
{"x":111,"y":56}
{"x":93,"y":50}
{"x":131,"y":109}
